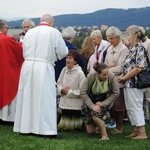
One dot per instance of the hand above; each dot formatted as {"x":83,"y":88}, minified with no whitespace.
{"x":112,"y":65}
{"x":96,"y":108}
{"x":121,"y":79}
{"x":99,"y":103}
{"x":65,"y":90}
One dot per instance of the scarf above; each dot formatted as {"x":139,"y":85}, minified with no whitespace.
{"x":99,"y":87}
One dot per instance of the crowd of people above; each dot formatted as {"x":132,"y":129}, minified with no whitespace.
{"x":48,"y":85}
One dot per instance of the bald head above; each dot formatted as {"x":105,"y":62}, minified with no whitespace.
{"x":48,"y":18}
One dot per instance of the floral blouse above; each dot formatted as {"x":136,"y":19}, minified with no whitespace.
{"x":136,"y":58}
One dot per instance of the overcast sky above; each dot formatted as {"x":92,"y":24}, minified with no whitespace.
{"x":12,"y":9}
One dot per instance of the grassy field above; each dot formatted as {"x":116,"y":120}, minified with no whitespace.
{"x":70,"y":140}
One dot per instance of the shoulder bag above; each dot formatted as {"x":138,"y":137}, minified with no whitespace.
{"x":143,"y":78}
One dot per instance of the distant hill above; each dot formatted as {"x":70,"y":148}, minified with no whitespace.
{"x":121,"y":18}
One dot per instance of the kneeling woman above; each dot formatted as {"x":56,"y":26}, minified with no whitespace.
{"x":101,"y":89}
{"x":69,"y":84}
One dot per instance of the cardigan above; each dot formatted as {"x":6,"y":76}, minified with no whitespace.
{"x":113,"y":90}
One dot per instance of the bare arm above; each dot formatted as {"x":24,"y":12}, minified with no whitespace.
{"x":132,"y":73}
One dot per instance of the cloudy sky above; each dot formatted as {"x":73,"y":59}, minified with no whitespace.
{"x":13,"y":9}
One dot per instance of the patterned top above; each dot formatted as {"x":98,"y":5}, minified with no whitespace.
{"x":136,"y":58}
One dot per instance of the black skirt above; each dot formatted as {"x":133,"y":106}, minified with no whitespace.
{"x":70,"y":120}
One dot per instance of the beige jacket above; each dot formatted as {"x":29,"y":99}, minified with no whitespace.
{"x":116,"y":55}
{"x":74,"y":79}
{"x":113,"y":92}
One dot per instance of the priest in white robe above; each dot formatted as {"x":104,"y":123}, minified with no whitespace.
{"x":36,"y":97}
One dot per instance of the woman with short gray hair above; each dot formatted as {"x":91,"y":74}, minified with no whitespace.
{"x":133,"y":64}
{"x":113,"y":31}
{"x":68,"y":34}
{"x":100,"y":51}
{"x":115,"y":56}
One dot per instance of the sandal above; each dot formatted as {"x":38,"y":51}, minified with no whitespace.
{"x":139,"y":137}
{"x":134,"y":134}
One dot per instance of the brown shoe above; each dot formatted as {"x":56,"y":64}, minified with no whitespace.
{"x":140,"y":137}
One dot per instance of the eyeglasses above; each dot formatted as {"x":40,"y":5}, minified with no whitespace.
{"x":111,"y":38}
{"x":25,"y":27}
{"x":6,"y":27}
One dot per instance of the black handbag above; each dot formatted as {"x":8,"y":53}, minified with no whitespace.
{"x":96,"y":98}
{"x":143,"y":78}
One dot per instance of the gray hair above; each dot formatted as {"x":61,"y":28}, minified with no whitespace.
{"x":143,"y":35}
{"x":113,"y":31}
{"x":96,"y":33}
{"x":68,"y":33}
{"x":27,"y":20}
{"x":3,"y":23}
{"x":47,"y":18}
{"x":134,"y":30}
{"x":142,"y":30}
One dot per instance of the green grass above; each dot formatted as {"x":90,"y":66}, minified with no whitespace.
{"x":70,"y":140}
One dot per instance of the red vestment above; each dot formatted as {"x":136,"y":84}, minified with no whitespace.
{"x":11,"y":59}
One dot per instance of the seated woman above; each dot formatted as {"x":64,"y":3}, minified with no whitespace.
{"x":69,"y":84}
{"x":101,"y":89}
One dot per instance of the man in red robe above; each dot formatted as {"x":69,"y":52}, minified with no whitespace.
{"x":11,"y":60}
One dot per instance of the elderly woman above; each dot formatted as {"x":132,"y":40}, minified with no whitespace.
{"x":116,"y":53}
{"x":100,"y":88}
{"x":133,"y":64}
{"x":100,"y":50}
{"x":69,"y":84}
{"x":68,"y":35}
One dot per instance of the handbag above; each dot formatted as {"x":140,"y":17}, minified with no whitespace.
{"x":143,"y":78}
{"x":96,"y":98}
